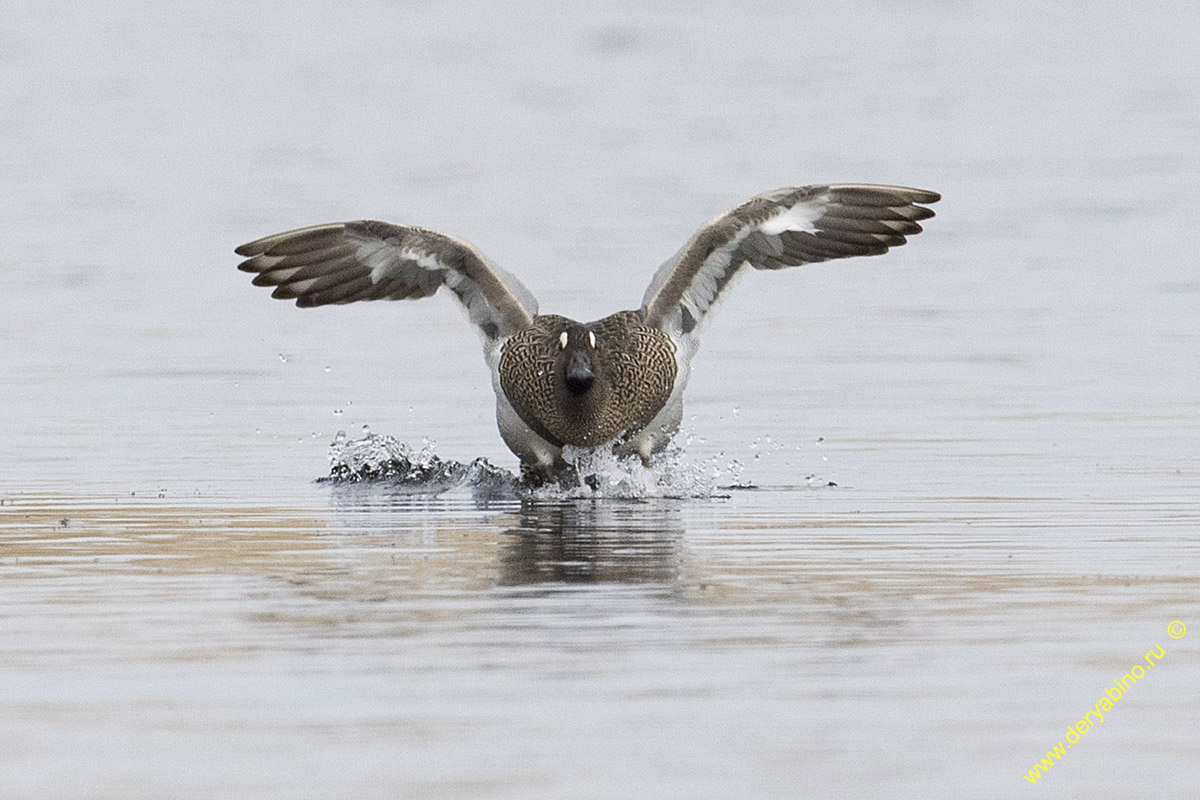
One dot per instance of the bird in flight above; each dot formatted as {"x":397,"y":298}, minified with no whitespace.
{"x":618,"y":380}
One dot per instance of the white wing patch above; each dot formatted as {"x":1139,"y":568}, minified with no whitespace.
{"x":800,"y":217}
{"x":718,"y":269}
{"x":386,"y":262}
{"x":344,"y":262}
{"x":380,"y":258}
{"x":782,"y":228}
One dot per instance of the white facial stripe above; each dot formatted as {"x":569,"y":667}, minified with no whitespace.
{"x":592,"y":338}
{"x":562,"y":340}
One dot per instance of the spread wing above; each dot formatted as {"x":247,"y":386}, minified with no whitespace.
{"x":783,"y":228}
{"x":344,"y":262}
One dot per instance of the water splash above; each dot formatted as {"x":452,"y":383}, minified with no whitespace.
{"x":596,"y":472}
{"x":384,"y":459}
{"x":599,"y":472}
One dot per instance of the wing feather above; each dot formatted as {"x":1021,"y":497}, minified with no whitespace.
{"x":347,"y":262}
{"x":782,"y":228}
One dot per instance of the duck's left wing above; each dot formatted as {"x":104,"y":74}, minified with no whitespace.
{"x":783,"y":228}
{"x":344,"y":262}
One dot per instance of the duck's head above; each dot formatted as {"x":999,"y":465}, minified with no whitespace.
{"x":584,"y":384}
{"x":555,"y":375}
{"x":575,"y":362}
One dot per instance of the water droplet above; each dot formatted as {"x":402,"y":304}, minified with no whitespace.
{"x":337,"y":412}
{"x":366,"y":429}
{"x":282,"y":358}
{"x":329,"y":369}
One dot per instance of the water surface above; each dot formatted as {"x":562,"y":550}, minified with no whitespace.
{"x":1007,"y":406}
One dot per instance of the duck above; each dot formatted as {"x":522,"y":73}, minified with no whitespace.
{"x":617,"y":381}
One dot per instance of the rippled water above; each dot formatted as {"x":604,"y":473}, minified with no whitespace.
{"x":950,"y":495}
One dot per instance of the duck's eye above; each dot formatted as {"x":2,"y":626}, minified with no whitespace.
{"x":562,"y":341}
{"x":591,"y":339}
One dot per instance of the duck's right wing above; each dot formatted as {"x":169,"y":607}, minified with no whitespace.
{"x":344,"y":262}
{"x":783,"y":228}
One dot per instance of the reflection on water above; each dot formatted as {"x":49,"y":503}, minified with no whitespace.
{"x":723,"y":635}
{"x":593,"y":542}
{"x":556,"y":541}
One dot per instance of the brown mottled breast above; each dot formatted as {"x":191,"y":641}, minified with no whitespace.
{"x":635,"y":373}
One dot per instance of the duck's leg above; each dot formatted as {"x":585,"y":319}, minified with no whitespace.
{"x":537,"y":473}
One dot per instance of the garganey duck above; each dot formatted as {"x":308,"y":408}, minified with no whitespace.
{"x":617,"y":380}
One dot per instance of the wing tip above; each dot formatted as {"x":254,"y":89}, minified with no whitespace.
{"x":907,"y":194}
{"x":303,"y":301}
{"x":308,"y":237}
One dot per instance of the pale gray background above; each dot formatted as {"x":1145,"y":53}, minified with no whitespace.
{"x":1009,"y":403}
